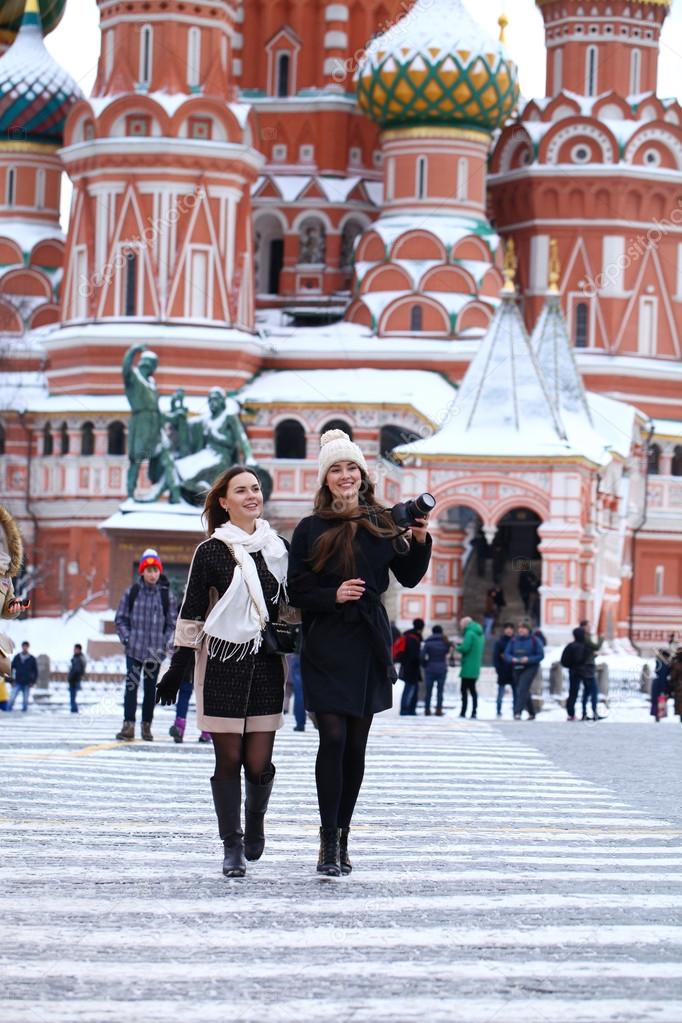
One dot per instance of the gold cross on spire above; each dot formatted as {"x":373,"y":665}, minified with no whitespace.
{"x":554,"y":268}
{"x":509,"y":268}
{"x":503,"y":21}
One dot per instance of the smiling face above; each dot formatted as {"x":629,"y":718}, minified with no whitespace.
{"x":243,"y":501}
{"x":344,"y":480}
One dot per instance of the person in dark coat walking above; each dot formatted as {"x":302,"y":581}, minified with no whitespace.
{"x":339,"y":567}
{"x":661,"y":683}
{"x":75,"y":675}
{"x":410,"y":667}
{"x":504,"y":670}
{"x":434,"y":662}
{"x":24,"y":675}
{"x":676,"y":682}
{"x":236,"y":586}
{"x":589,"y":670}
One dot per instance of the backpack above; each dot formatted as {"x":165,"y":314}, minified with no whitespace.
{"x":164,"y":584}
{"x":399,"y":649}
{"x":573,"y":655}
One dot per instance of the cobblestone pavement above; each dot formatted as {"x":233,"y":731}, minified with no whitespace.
{"x":496,"y":880}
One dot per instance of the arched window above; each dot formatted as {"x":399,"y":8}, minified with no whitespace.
{"x":462,"y":178}
{"x":146,"y":55}
{"x":654,"y":460}
{"x":193,"y":57}
{"x":351,"y":230}
{"x":48,"y":440}
{"x":2,"y":439}
{"x":11,"y":186}
{"x":87,"y":439}
{"x":337,"y":424}
{"x":581,"y":321}
{"x":130,"y":284}
{"x":393,"y":436}
{"x":558,"y":62}
{"x":416,"y":318}
{"x":64,"y":439}
{"x":283,"y":70}
{"x":676,"y":467}
{"x":290,"y":439}
{"x":591,"y":71}
{"x":116,"y":438}
{"x":635,"y":66}
{"x":312,"y":242}
{"x":421,"y":177}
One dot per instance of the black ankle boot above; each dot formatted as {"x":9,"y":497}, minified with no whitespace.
{"x":328,"y":860}
{"x":344,"y":858}
{"x":255,"y":805}
{"x":227,"y":799}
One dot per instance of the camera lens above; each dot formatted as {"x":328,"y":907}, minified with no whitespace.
{"x":425,"y":503}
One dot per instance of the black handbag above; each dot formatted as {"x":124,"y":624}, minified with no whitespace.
{"x":280,"y":638}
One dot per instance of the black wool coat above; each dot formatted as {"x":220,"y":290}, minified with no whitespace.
{"x":346,"y":662}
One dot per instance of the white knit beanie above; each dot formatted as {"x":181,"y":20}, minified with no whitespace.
{"x":336,"y":446}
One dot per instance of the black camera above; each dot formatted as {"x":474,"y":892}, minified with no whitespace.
{"x":406,"y":513}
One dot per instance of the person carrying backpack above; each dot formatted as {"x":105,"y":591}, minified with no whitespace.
{"x":145,"y":623}
{"x":410,"y":669}
{"x":573,"y":658}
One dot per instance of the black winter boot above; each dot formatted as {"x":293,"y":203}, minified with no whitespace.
{"x":255,"y":805}
{"x":344,"y":858}
{"x":227,"y":799}
{"x":328,"y":859}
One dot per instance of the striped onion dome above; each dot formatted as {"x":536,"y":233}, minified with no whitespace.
{"x":436,"y":66}
{"x":36,"y":93}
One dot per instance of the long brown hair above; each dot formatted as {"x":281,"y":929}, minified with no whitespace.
{"x":336,"y":544}
{"x":214,"y":514}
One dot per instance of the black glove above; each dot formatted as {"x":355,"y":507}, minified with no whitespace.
{"x":180,"y":670}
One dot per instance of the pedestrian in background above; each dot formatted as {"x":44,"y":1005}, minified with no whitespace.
{"x":503,"y":670}
{"x":75,"y":675}
{"x":177,"y":729}
{"x":341,"y":556}
{"x":410,"y":667}
{"x":589,"y":671}
{"x":294,"y":664}
{"x":676,"y":682}
{"x":236,"y":588}
{"x":24,"y":676}
{"x":434,"y":661}
{"x":573,"y":658}
{"x":660,"y":687}
{"x":524,"y":652}
{"x":471,"y":650}
{"x":145,"y":623}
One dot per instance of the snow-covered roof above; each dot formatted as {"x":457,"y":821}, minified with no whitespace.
{"x":449,"y":228}
{"x":503,"y":406}
{"x":426,"y":392}
{"x":155,"y":517}
{"x":667,"y":428}
{"x":554,"y":353}
{"x":27,"y":234}
{"x":614,"y":421}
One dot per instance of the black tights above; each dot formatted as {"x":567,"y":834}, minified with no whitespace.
{"x":253,"y":750}
{"x":340,"y":766}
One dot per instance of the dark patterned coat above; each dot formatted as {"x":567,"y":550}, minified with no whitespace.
{"x":232,"y":695}
{"x":346,"y":661}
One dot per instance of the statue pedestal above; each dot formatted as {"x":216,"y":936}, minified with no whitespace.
{"x":174,"y":530}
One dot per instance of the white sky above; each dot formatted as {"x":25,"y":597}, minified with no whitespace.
{"x":75,"y":43}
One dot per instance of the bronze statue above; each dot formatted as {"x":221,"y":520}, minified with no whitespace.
{"x":146,"y":437}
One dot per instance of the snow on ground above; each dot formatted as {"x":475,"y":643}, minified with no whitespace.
{"x":56,"y":636}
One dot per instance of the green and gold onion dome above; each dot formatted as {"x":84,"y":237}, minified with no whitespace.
{"x":36,"y":94}
{"x":12,"y":11}
{"x":436,"y":66}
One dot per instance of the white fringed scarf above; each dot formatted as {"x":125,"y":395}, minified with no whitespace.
{"x":234,"y":627}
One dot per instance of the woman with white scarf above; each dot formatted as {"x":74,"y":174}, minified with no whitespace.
{"x":236,"y":582}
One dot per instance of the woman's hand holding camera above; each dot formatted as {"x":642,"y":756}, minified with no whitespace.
{"x":351,"y":589}
{"x":420,"y":529}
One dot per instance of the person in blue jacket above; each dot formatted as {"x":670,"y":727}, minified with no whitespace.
{"x":434,"y":661}
{"x":24,"y":675}
{"x":503,"y":670}
{"x":524,"y":652}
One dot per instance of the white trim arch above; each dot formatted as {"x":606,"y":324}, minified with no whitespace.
{"x":653,"y":134}
{"x":578,"y":131}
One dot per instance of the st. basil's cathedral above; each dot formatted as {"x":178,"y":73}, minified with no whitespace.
{"x":345,"y":214}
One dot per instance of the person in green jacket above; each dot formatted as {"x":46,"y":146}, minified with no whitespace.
{"x":471,"y":649}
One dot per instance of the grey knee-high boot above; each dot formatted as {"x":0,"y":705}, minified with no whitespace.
{"x":255,"y":805}
{"x":227,"y":799}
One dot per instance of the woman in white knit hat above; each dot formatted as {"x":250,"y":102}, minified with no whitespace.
{"x":339,"y":566}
